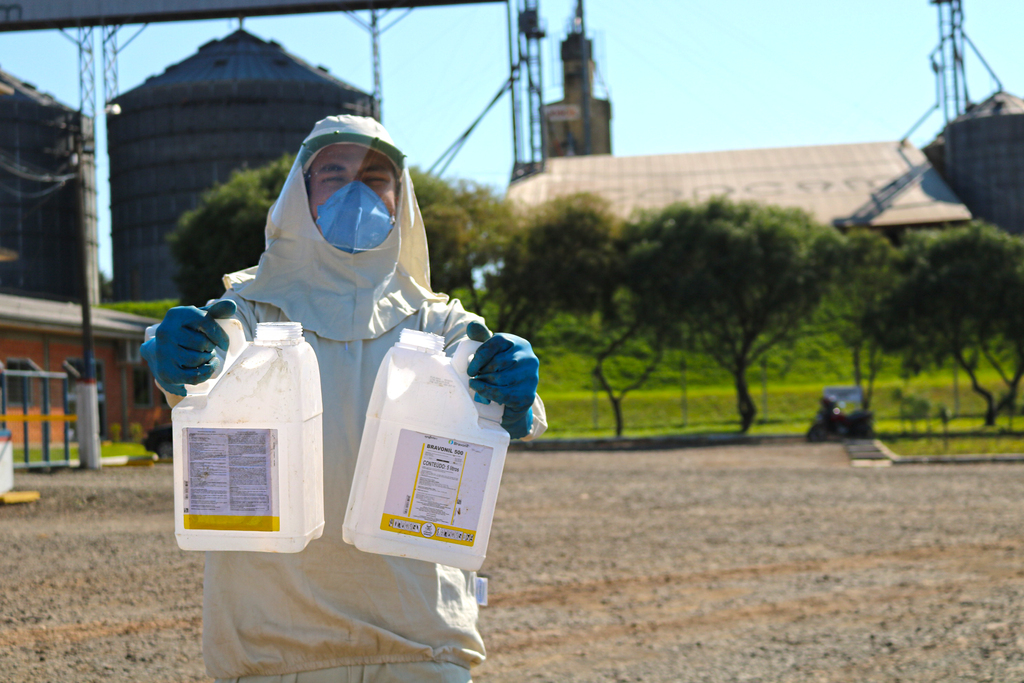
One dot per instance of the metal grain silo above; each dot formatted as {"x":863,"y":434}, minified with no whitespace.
{"x":238,"y":102}
{"x":985,"y":160}
{"x":38,"y":212}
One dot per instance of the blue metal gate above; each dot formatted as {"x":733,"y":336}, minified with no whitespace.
{"x":26,"y":381}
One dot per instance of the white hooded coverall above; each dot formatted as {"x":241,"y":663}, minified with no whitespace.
{"x":332,"y":605}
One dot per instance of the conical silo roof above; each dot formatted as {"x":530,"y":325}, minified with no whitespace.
{"x":241,"y":56}
{"x":26,"y":92}
{"x":1000,"y":104}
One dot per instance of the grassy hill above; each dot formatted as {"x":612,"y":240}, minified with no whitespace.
{"x":794,"y":379}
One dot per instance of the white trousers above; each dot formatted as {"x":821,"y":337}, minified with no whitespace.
{"x":411,"y":672}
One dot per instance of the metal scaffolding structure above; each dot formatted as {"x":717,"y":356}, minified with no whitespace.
{"x":528,"y":88}
{"x":947,"y":63}
{"x":86,"y":70}
{"x":373,"y":27}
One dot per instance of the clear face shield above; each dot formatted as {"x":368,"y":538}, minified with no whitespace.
{"x":353,"y":193}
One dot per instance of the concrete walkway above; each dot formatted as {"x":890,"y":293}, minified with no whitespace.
{"x":862,"y":452}
{"x":874,"y":453}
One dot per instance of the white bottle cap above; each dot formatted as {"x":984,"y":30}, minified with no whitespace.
{"x":278,"y":334}
{"x":421,"y":341}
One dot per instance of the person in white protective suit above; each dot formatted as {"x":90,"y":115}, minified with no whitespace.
{"x":346,"y":256}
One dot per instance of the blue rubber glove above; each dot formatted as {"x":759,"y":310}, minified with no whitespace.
{"x":182,"y":351}
{"x":505,"y":370}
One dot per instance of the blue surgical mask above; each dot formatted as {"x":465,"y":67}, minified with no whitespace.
{"x":354,"y":218}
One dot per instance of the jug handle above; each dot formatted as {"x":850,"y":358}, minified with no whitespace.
{"x":236,"y":344}
{"x":461,"y":359}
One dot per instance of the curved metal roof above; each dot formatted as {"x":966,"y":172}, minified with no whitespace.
{"x":242,"y":56}
{"x":875,"y":183}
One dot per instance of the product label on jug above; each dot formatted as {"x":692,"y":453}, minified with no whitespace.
{"x":436,"y":488}
{"x":231,"y":479}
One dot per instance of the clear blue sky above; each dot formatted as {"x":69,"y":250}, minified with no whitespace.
{"x":684,"y":75}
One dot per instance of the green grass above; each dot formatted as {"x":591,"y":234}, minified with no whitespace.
{"x":963,"y":445}
{"x":795,"y":377}
{"x":815,"y":356}
{"x":571,"y":414}
{"x":107,"y":449}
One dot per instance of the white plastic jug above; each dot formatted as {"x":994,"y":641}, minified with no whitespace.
{"x":430,"y":458}
{"x":248,"y":447}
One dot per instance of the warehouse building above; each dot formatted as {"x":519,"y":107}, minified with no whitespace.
{"x":886,"y":185}
{"x":46,"y":336}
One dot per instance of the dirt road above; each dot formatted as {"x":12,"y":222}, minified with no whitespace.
{"x":774,"y":564}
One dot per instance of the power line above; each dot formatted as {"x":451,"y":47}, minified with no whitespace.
{"x":31,"y":195}
{"x":449,"y":154}
{"x":8,"y":163}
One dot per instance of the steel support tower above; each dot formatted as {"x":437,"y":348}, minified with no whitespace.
{"x":947,"y":60}
{"x":528,"y":88}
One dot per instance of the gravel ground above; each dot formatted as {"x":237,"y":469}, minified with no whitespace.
{"x":772,"y":563}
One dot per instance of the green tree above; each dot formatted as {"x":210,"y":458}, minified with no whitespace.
{"x":563,"y":257}
{"x":150,"y":309}
{"x":106,"y":288}
{"x":467,"y":226}
{"x":225,"y":232}
{"x":867,"y":275}
{"x":626,"y":346}
{"x":568,"y":259}
{"x":742,"y":278}
{"x":961,"y":297}
{"x":621,"y":359}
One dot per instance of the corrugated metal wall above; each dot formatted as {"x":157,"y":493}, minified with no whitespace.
{"x":41,"y":228}
{"x":174,"y":140}
{"x":985,"y":167}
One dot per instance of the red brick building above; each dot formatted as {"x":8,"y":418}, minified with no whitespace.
{"x":37,"y":334}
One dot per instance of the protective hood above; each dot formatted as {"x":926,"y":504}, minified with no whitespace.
{"x":339,"y":295}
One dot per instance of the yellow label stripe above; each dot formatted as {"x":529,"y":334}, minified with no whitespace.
{"x":458,"y":489}
{"x":232,"y":523}
{"x":402,"y":526}
{"x":38,"y":418}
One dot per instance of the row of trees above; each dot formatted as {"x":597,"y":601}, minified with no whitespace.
{"x":729,"y":280}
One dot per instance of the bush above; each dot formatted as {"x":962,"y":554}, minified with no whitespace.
{"x":148,"y":309}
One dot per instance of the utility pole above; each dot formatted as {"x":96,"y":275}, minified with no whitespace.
{"x":87,"y":402}
{"x":685,"y":402}
{"x":378,"y":88}
{"x":513,"y":74}
{"x":84,"y":145}
{"x":764,"y":389}
{"x":373,"y":27}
